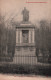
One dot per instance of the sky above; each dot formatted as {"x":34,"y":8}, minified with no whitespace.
{"x":37,"y":11}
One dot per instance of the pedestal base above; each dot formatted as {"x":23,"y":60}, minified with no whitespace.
{"x":25,"y":55}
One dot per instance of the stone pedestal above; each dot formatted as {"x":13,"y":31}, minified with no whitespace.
{"x":25,"y":55}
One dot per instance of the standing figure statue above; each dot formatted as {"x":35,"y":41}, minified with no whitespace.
{"x":25,"y":13}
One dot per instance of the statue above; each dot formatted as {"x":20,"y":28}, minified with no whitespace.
{"x":25,"y":13}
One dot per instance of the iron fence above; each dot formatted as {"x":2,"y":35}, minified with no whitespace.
{"x":23,"y":59}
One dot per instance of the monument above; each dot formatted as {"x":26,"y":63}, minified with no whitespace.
{"x":25,"y":49}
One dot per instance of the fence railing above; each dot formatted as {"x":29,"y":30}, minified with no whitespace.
{"x":24,"y":59}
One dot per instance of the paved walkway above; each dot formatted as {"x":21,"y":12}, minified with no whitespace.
{"x":19,"y":77}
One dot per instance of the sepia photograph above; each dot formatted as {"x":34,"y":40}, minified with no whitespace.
{"x":25,"y":39}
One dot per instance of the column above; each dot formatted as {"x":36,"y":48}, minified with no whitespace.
{"x":33,"y":36}
{"x":20,"y":36}
{"x":16,"y":35}
{"x":29,"y":36}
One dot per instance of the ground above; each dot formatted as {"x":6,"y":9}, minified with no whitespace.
{"x":19,"y":77}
